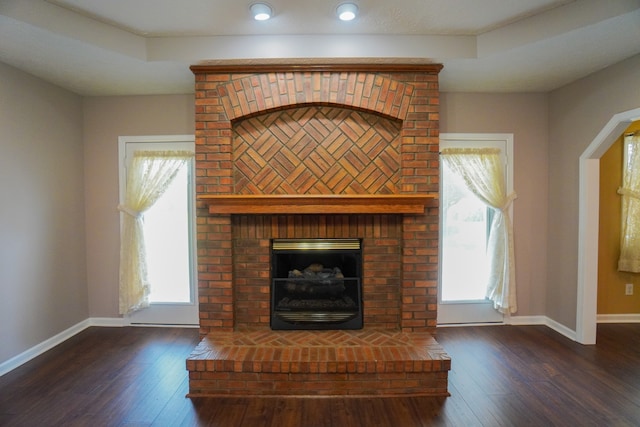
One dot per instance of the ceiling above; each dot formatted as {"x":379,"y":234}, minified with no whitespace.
{"x":125,"y":47}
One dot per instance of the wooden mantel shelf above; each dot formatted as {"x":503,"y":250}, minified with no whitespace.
{"x":317,"y":203}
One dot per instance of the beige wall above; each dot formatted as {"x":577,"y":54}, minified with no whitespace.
{"x":524,"y":116}
{"x":43,"y":288}
{"x":105,"y":119}
{"x":577,"y":113}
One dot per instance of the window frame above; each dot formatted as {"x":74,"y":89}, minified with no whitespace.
{"x":473,"y":311}
{"x":176,"y":313}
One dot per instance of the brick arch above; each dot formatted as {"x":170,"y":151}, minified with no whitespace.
{"x":247,"y":95}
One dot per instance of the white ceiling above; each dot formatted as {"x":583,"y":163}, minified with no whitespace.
{"x":131,"y":47}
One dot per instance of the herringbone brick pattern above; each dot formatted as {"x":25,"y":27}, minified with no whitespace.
{"x":296,"y":347}
{"x":317,"y":150}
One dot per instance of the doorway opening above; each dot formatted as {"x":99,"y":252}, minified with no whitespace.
{"x":588,"y":222}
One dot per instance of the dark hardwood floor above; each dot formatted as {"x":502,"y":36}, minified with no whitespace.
{"x":501,"y":376}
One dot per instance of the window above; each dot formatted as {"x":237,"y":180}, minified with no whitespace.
{"x":465,"y":232}
{"x":166,"y":220}
{"x":630,"y":191}
{"x":477,"y":273}
{"x":166,"y":234}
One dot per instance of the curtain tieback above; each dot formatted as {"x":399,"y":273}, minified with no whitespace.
{"x":510,"y":198}
{"x":628,"y":192}
{"x":132,"y":212}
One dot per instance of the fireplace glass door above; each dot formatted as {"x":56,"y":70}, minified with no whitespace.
{"x":316,"y":284}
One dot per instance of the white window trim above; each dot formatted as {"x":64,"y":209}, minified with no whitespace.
{"x":458,"y":312}
{"x":159,"y":142}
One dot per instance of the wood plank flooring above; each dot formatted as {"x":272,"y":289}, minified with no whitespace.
{"x":500,"y":376}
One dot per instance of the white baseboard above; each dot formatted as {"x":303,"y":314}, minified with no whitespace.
{"x":162,"y":325}
{"x":117,"y":322}
{"x":619,"y":318}
{"x":45,"y":345}
{"x":462,"y":325}
{"x":48,"y":344}
{"x":561,"y":329}
{"x":543,"y":320}
{"x":529,"y":320}
{"x":525,"y":320}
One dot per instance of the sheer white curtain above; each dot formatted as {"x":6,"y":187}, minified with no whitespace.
{"x":482,"y":170}
{"x":630,"y":191}
{"x":148,"y":176}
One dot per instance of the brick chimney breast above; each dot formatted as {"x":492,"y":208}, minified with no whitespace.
{"x":332,"y":129}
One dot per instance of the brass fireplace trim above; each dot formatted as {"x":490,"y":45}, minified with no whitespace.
{"x":315,"y":244}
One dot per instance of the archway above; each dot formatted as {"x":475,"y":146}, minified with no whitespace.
{"x":586,"y":320}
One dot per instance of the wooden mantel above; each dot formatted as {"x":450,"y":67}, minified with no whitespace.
{"x":316,"y":203}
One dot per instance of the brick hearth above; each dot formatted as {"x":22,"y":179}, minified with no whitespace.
{"x":319,"y":363}
{"x":359,"y":130}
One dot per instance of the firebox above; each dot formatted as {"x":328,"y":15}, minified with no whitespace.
{"x":316,"y":284}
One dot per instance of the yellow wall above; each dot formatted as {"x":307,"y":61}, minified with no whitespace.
{"x":611,"y":282}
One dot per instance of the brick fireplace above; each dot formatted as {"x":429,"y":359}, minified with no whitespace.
{"x":301,"y":152}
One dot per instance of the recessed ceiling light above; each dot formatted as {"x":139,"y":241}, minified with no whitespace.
{"x":347,"y":11}
{"x":261,"y":11}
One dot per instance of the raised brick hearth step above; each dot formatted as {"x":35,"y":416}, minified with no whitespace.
{"x":263,"y":362}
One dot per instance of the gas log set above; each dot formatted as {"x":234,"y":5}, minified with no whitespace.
{"x":310,"y":289}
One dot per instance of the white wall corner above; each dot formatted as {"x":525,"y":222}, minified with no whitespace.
{"x":562,"y":330}
{"x":542,"y":320}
